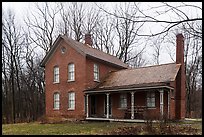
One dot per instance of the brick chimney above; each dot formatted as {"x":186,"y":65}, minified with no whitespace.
{"x":88,"y":39}
{"x":180,"y":79}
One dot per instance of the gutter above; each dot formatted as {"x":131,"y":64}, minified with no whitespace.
{"x":126,"y":89}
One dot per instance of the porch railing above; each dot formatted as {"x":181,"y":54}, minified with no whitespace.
{"x":139,"y":112}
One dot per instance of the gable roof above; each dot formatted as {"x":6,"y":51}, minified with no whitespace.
{"x":139,"y":77}
{"x":85,"y":50}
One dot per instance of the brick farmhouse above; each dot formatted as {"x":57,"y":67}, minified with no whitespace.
{"x":82,"y":82}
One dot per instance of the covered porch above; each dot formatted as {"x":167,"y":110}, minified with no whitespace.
{"x":131,"y":104}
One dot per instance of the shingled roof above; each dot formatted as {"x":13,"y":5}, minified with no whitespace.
{"x":139,"y":77}
{"x":86,"y":51}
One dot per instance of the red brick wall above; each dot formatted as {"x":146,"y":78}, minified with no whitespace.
{"x":104,"y":69}
{"x":83,"y":79}
{"x":62,"y":60}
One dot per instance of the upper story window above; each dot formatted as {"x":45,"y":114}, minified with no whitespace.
{"x":151,"y":99}
{"x":56,"y":74}
{"x":123,"y":100}
{"x":96,"y":72}
{"x":71,"y":69}
{"x":56,"y":101}
{"x":71,"y":100}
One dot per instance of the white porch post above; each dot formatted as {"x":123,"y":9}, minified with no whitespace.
{"x":107,"y":108}
{"x":87,"y":105}
{"x":161,"y":102}
{"x":169,"y":103}
{"x":132,"y":105}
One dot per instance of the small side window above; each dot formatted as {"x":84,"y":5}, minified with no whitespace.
{"x":96,"y":72}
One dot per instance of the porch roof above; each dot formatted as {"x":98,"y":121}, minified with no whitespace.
{"x":139,"y":78}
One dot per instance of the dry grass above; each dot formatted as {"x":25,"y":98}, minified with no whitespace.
{"x":99,"y":128}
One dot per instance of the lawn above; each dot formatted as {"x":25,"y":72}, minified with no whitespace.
{"x":59,"y":129}
{"x":86,"y":128}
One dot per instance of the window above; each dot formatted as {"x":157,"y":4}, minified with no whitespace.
{"x":71,"y":76}
{"x":123,"y":100}
{"x":63,"y":49}
{"x":150,"y":99}
{"x":96,"y":72}
{"x":56,"y":74}
{"x":56,"y":101}
{"x":71,"y":102}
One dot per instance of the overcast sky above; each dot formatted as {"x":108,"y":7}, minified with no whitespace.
{"x":21,"y":8}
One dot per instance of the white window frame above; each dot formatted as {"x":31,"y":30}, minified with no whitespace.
{"x":123,"y":100}
{"x":96,"y":72}
{"x":71,"y":72}
{"x":56,"y":101}
{"x":151,"y":99}
{"x":56,"y":74}
{"x":71,"y":101}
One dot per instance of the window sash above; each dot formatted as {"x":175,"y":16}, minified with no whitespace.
{"x":56,"y":101}
{"x":151,"y":99}
{"x":123,"y":101}
{"x":56,"y":74}
{"x":96,"y":72}
{"x":71,"y":70}
{"x":71,"y":102}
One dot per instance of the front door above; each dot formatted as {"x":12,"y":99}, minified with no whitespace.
{"x":93,"y":105}
{"x":110,"y":105}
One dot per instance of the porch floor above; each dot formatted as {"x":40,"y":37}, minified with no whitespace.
{"x":116,"y":120}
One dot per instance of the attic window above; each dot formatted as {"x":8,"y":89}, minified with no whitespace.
{"x":63,"y":49}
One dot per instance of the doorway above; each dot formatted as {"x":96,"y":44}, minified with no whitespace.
{"x":93,"y":105}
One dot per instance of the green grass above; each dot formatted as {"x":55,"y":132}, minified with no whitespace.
{"x":35,"y":128}
{"x":87,"y":128}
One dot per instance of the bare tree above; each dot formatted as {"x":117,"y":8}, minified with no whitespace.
{"x":41,"y":25}
{"x":152,"y":15}
{"x":126,"y":31}
{"x":157,"y":48}
{"x":22,"y":81}
{"x":12,"y":51}
{"x":137,"y":61}
{"x":103,"y":36}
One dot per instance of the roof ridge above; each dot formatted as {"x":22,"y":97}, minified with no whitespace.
{"x":95,"y":49}
{"x":86,"y":49}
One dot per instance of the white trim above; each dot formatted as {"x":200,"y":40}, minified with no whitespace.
{"x":87,"y":105}
{"x":151,"y":108}
{"x":127,"y":89}
{"x":107,"y":105}
{"x":161,"y":102}
{"x":132,"y":105}
{"x":169,"y":104}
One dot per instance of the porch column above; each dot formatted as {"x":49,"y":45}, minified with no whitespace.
{"x":132,"y":105}
{"x":107,"y":108}
{"x":161,"y":102}
{"x":87,"y":105}
{"x":169,"y":103}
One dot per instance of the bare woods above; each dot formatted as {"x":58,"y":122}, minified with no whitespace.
{"x":119,"y":32}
